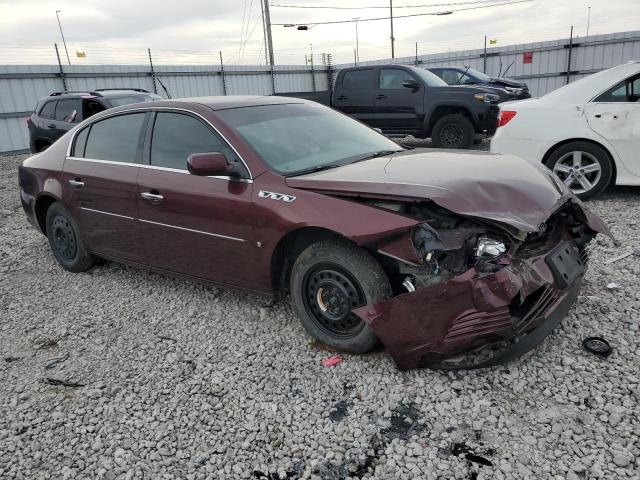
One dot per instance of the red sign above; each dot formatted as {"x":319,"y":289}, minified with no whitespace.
{"x":527,"y":57}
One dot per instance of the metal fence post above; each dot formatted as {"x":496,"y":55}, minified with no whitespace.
{"x":153,"y":73}
{"x":569,"y":56}
{"x":484,"y":56}
{"x":313,"y":75}
{"x":329,"y":62}
{"x":62,"y":76}
{"x":224,"y":79}
{"x":273,"y":78}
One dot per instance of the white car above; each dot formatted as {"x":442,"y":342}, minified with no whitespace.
{"x":587,"y":132}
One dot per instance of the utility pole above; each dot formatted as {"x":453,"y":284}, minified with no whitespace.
{"x":264,"y":35}
{"x":588,"y":21}
{"x":393,"y":53}
{"x":267,"y":23}
{"x":357,"y":42}
{"x":62,"y":35}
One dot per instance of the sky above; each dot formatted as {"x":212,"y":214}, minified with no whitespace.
{"x":195,"y":31}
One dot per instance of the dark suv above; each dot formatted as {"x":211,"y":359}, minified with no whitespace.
{"x":61,"y":111}
{"x":507,"y":88}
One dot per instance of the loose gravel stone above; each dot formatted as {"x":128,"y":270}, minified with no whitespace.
{"x":184,"y":381}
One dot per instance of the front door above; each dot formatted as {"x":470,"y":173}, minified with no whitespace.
{"x":198,"y":226}
{"x":615,"y":115}
{"x":100,"y":182}
{"x":396,"y":106}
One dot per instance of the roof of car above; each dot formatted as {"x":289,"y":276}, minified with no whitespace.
{"x":236,"y":101}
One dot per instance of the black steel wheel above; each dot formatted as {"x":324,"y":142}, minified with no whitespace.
{"x":331,"y":294}
{"x":330,"y":279}
{"x":65,"y":241}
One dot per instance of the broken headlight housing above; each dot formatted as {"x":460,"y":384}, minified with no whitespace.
{"x":488,"y":248}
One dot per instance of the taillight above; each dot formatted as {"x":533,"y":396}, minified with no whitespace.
{"x":505,"y":117}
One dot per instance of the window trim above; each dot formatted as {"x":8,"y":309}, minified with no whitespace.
{"x":91,"y":120}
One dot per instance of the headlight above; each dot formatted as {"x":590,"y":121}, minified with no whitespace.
{"x":486,"y":97}
{"x":489,"y":248}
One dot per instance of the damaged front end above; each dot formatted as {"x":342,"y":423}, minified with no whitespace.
{"x":472,"y":293}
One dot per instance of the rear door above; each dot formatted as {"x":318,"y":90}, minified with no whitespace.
{"x":100,"y":181}
{"x":45,"y":122}
{"x":615,"y":115}
{"x":398,"y":108}
{"x":198,"y":226}
{"x":354,"y":93}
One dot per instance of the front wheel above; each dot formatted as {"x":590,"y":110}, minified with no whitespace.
{"x":65,"y":241}
{"x":585,"y":168}
{"x":453,"y":131}
{"x":329,"y":279}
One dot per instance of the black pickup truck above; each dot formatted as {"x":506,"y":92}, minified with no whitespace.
{"x":404,"y":100}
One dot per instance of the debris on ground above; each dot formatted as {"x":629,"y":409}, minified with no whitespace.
{"x":56,"y":361}
{"x":598,"y":346}
{"x":332,"y":361}
{"x":613,"y":286}
{"x":62,"y":383}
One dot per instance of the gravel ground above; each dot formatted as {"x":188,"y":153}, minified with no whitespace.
{"x":169,"y":379}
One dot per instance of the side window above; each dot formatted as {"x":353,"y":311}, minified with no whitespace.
{"x":176,"y":136}
{"x":357,"y":80}
{"x":91,"y":107}
{"x":626,"y":91}
{"x":80,"y":143}
{"x":393,"y":78}
{"x":67,"y":110}
{"x":115,"y":138}
{"x":48,"y":110}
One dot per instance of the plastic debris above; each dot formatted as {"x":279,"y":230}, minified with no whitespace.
{"x":619,"y":257}
{"x":598,"y":346}
{"x":332,"y":361}
{"x":613,"y":286}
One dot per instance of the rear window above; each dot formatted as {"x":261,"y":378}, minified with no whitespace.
{"x":357,"y":79}
{"x":115,"y":138}
{"x":67,"y":110}
{"x":48,"y":110}
{"x":127,"y":99}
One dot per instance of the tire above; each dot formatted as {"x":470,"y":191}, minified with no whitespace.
{"x":453,"y":131}
{"x":599,"y":167}
{"x":349,"y":278}
{"x":65,"y":240}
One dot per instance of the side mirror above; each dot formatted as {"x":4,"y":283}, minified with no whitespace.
{"x":210,"y":164}
{"x":412,"y":84}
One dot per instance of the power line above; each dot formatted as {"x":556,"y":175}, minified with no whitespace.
{"x":405,"y":16}
{"x":323,"y":7}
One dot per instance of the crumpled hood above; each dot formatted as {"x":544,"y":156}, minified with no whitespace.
{"x":508,"y":82}
{"x":501,"y":188}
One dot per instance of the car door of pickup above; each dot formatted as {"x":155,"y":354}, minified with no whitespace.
{"x":196,"y":226}
{"x":354,"y":94}
{"x":397,"y":108}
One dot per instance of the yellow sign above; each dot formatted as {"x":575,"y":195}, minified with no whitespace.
{"x":493,"y":42}
{"x":81,"y":54}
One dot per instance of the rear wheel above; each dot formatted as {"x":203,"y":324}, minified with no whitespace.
{"x":453,"y":131}
{"x":66,"y":244}
{"x":329,"y":279}
{"x":586,"y":169}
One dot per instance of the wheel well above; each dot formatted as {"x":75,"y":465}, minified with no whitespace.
{"x":42,"y":205}
{"x":288,"y":249}
{"x":443,"y":110}
{"x":550,"y":151}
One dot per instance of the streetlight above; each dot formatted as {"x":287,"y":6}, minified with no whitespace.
{"x":62,"y":35}
{"x":357,"y":42}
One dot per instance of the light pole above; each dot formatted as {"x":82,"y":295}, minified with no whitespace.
{"x":62,"y":35}
{"x":393,"y":54}
{"x":357,"y":42}
{"x":588,"y":21}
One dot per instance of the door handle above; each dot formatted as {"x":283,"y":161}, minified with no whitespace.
{"x":76,"y":183}
{"x":381,"y":97}
{"x":341,"y":97}
{"x":152,"y":197}
{"x":51,"y":125}
{"x":597,"y":115}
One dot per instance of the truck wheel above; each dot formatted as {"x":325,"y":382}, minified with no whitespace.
{"x":583,"y":167}
{"x":328,"y":280}
{"x":453,"y":131}
{"x":65,"y":241}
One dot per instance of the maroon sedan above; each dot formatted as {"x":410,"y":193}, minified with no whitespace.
{"x":437,"y":254}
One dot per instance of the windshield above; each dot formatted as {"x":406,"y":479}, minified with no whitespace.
{"x":127,"y":99}
{"x":301,"y":137}
{"x":479,"y":75}
{"x":430,"y":78}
